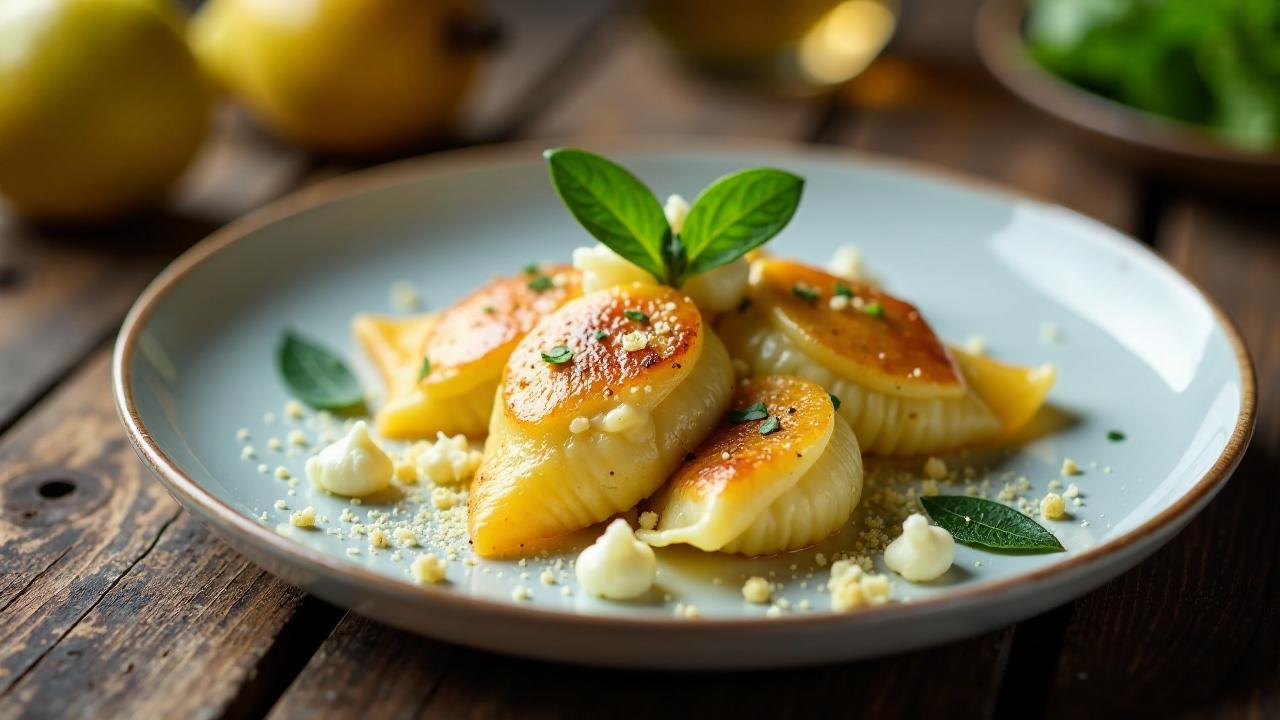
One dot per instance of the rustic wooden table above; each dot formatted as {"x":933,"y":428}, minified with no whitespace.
{"x":115,"y":602}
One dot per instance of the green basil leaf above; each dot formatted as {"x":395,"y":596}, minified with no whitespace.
{"x":975,"y":521}
{"x":749,"y":413}
{"x":771,"y":425}
{"x":738,"y":213}
{"x":316,"y":375}
{"x":558,"y":355}
{"x":613,"y":205}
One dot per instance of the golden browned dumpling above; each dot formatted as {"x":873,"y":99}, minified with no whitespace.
{"x":754,"y":489}
{"x":598,"y":404}
{"x":900,"y":389}
{"x":464,"y":347}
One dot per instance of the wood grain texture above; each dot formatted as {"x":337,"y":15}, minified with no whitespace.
{"x":635,"y":86}
{"x":960,"y":121}
{"x":1195,"y":630}
{"x":365,"y":665}
{"x":109,"y":592}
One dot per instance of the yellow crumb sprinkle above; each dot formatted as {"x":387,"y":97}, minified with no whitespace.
{"x":935,"y":468}
{"x":648,"y":520}
{"x":304,"y":518}
{"x":1070,"y":467}
{"x":428,"y":569}
{"x":757,"y":590}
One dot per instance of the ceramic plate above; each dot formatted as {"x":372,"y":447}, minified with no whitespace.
{"x":1137,"y":347}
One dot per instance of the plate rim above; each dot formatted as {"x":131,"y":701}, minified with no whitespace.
{"x":193,"y":495}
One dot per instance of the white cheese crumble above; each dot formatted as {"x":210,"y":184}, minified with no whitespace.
{"x":852,"y":588}
{"x":635,"y":340}
{"x":617,"y":566}
{"x":923,"y":552}
{"x":579,"y":425}
{"x":296,"y":437}
{"x":677,"y":210}
{"x":295,"y":409}
{"x":352,"y":466}
{"x":757,"y":590}
{"x":449,"y":460}
{"x":1053,"y":507}
{"x":603,"y":268}
{"x":1070,"y":467}
{"x":720,"y":289}
{"x":838,"y":302}
{"x":847,"y":263}
{"x":521,"y":593}
{"x":975,"y":345}
{"x":428,"y":569}
{"x":282,"y":473}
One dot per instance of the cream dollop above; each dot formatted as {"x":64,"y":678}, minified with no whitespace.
{"x":354,"y":465}
{"x":617,"y":566}
{"x":922,"y":552}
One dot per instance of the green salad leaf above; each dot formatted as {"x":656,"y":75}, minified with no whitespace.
{"x":316,"y":375}
{"x":1214,"y":63}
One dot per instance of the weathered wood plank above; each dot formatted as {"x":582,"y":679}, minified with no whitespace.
{"x":1196,"y":629}
{"x":960,"y":120}
{"x":637,"y":87}
{"x":107,"y":586}
{"x":367,"y":665}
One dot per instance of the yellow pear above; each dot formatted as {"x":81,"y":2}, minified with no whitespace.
{"x":102,"y":106}
{"x":345,"y":77}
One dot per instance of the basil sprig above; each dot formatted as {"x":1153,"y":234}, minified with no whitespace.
{"x":317,"y":376}
{"x":733,"y":216}
{"x":975,"y":521}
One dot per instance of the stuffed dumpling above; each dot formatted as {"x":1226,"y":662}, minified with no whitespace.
{"x":441,"y":370}
{"x":774,"y":478}
{"x":900,"y":389}
{"x":597,"y":406}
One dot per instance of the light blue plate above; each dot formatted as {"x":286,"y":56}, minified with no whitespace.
{"x":1138,"y":349}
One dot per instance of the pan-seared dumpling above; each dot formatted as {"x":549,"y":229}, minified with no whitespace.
{"x":598,"y":405}
{"x":756,"y":490}
{"x":462,"y":349}
{"x":900,"y":389}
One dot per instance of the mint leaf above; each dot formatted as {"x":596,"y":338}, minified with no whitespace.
{"x":738,"y":213}
{"x":770,"y":425}
{"x":975,"y":521}
{"x":749,"y":413}
{"x":613,"y":205}
{"x":316,"y":375}
{"x":558,"y":355}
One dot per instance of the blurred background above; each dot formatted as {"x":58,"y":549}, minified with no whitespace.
{"x":130,"y":129}
{"x":110,"y":109}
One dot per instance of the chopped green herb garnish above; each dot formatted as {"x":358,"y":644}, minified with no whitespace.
{"x":1115,"y":436}
{"x":600,"y":334}
{"x":749,"y":413}
{"x":489,"y":309}
{"x":770,"y":425}
{"x":558,"y":355}
{"x":804,"y":291}
{"x":540,"y":283}
{"x":843,"y":290}
{"x":425,"y":368}
{"x":636,"y":316}
{"x":746,"y":303}
{"x":835,"y":401}
{"x":530,"y":269}
{"x":874,"y":309}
